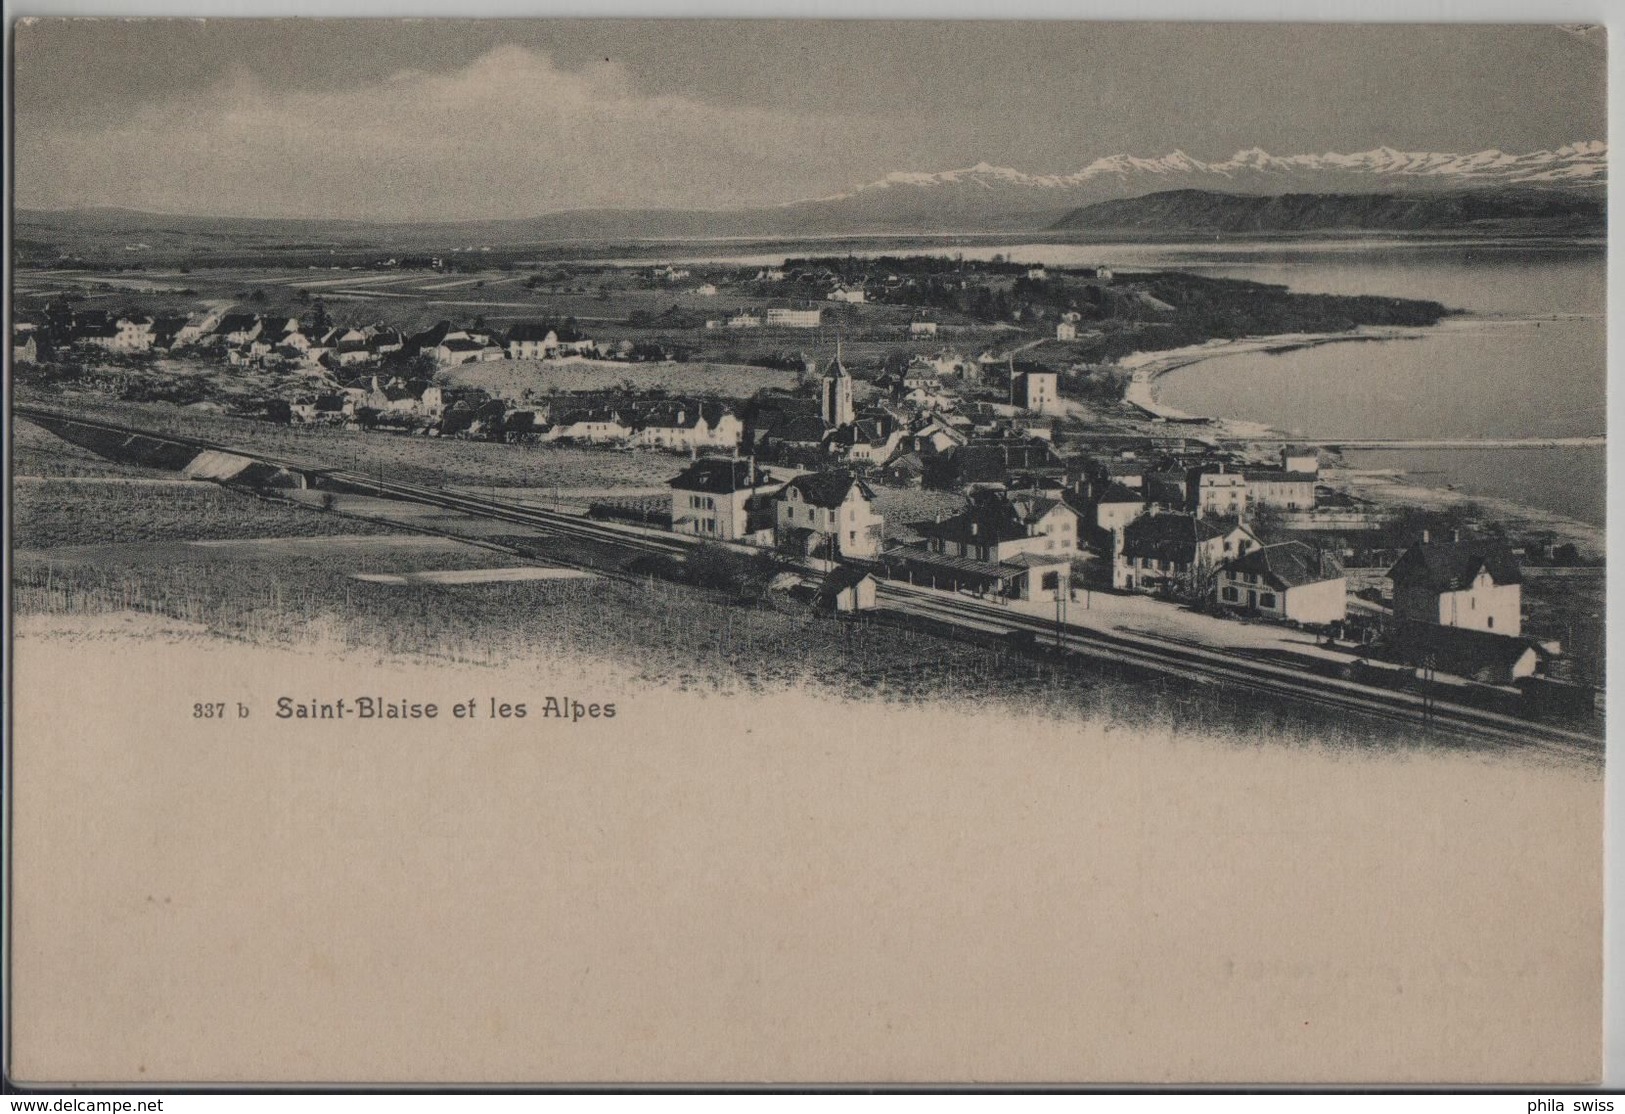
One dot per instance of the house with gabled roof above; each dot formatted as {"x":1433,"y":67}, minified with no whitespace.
{"x":454,"y":351}
{"x":828,"y":514}
{"x":1487,"y":657}
{"x":724,"y":499}
{"x":532,"y":340}
{"x":239,"y":328}
{"x":1017,"y":545}
{"x":1217,"y":489}
{"x":1173,"y":552}
{"x":600,"y":426}
{"x":1273,"y":487}
{"x":1289,"y":580}
{"x":1474,"y":583}
{"x":846,"y":589}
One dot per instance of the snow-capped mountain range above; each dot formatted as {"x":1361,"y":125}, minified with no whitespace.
{"x":994,"y":199}
{"x":1255,"y":170}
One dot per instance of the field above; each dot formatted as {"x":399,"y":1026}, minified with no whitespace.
{"x":99,"y":552}
{"x":510,"y":378}
{"x":69,"y":512}
{"x":409,"y":459}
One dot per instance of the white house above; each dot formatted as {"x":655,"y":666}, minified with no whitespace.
{"x":1290,"y":581}
{"x":1290,"y":491}
{"x":1014,"y":544}
{"x":1175,"y":552}
{"x":1215,"y":489}
{"x":922,"y":328}
{"x":783,"y":317}
{"x":724,"y":500}
{"x":1115,"y":508}
{"x":197,"y":327}
{"x":452,"y":352}
{"x":1066,"y":330}
{"x":821,"y":510}
{"x":1475,"y":584}
{"x":1036,"y":391}
{"x":529,"y":340}
{"x":687,"y":426}
{"x":594,"y":427}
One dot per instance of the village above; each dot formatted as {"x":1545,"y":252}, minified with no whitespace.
{"x":1010,"y":470}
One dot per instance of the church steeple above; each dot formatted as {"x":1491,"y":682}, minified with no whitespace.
{"x":836,"y":398}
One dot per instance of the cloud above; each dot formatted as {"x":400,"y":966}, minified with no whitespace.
{"x":510,"y":134}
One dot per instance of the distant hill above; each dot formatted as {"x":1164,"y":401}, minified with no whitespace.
{"x":1560,"y":192}
{"x":1210,"y":211}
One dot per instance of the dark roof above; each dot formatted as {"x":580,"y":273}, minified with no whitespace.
{"x":842,"y":577}
{"x":1167,"y":537}
{"x":908,"y":463}
{"x":1278,"y":475}
{"x":670,"y":415}
{"x":432,"y":336}
{"x":716,"y":476}
{"x":530,"y":330}
{"x":828,"y":489}
{"x":1451,"y":566}
{"x":600,"y":414}
{"x":992,"y":461}
{"x":993,"y":517}
{"x":914,"y":556}
{"x":807,"y":428}
{"x":1460,"y":651}
{"x":1120,"y":493}
{"x":1288,"y":565}
{"x":236,"y":322}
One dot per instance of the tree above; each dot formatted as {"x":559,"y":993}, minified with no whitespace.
{"x":1267,"y":522}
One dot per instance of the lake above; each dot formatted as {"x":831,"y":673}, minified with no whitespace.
{"x":1528,"y":359}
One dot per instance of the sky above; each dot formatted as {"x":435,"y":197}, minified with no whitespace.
{"x":447,"y":120}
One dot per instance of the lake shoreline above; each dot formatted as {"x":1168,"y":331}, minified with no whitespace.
{"x":1393,"y":489}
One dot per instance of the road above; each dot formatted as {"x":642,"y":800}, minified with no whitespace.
{"x":1170,"y":656}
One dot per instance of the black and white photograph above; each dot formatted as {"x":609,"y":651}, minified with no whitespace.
{"x":571,"y":551}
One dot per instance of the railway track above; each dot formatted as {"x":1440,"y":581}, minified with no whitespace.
{"x":1215,"y":667}
{"x":1184,"y":660}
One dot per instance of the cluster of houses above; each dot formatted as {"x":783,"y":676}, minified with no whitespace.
{"x":772,"y":317}
{"x":1178,"y":522}
{"x":255,"y":339}
{"x":671,"y":424}
{"x":1004,"y":543}
{"x":1456,"y":610}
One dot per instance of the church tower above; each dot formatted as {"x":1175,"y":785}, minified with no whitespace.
{"x":836,"y":400}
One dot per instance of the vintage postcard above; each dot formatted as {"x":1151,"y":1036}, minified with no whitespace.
{"x":580,"y":552}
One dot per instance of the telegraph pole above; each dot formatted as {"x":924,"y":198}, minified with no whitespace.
{"x":1060,"y":609}
{"x":1428,"y":664}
